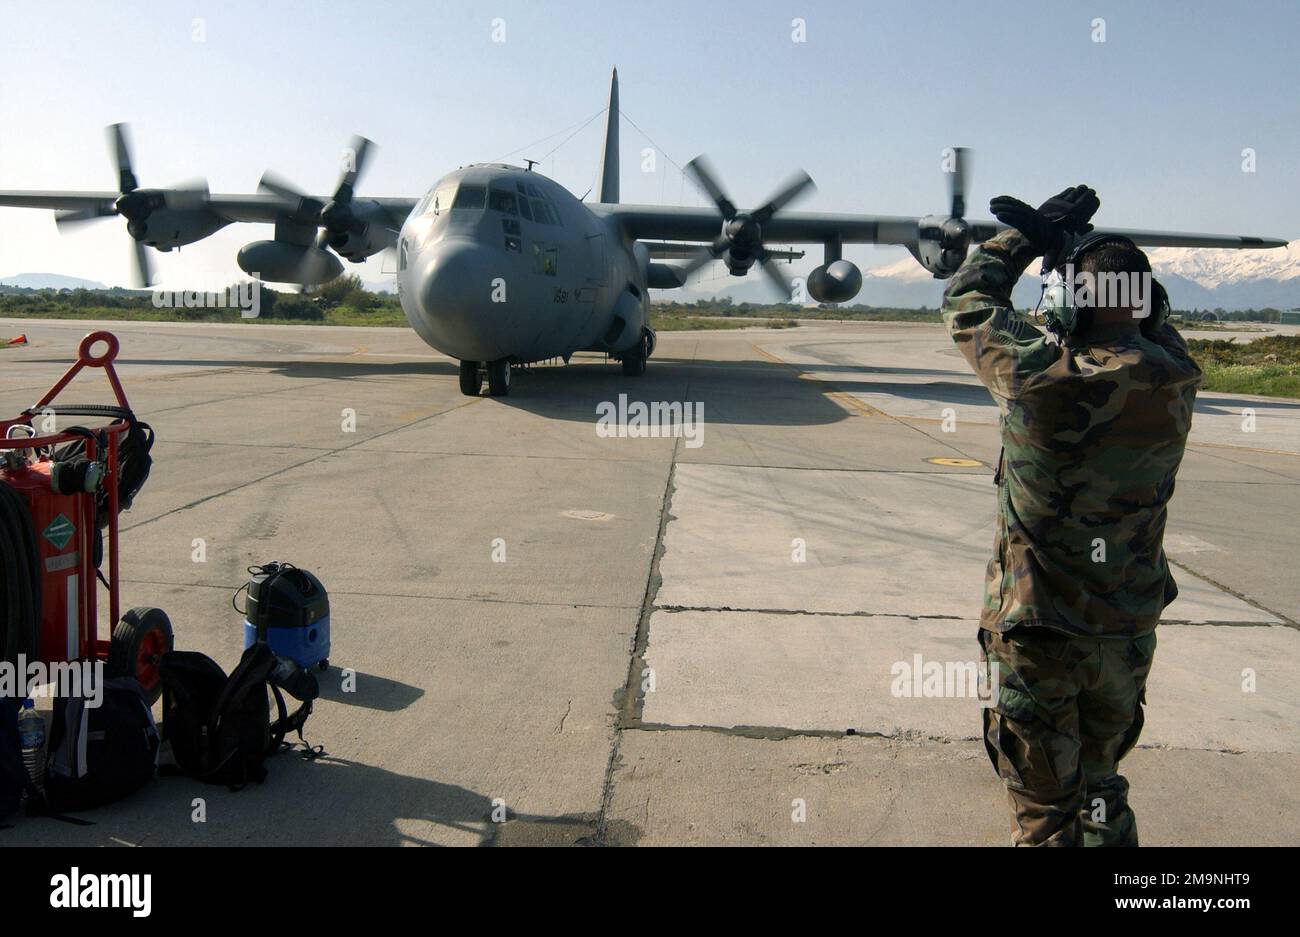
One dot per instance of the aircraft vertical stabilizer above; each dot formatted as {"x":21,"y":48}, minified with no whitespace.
{"x":608,"y":187}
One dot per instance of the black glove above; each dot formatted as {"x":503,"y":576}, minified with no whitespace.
{"x":1054,"y":224}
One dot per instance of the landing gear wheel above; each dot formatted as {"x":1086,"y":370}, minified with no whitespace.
{"x":498,"y":377}
{"x":471,"y":378}
{"x":634,"y":360}
{"x":140,"y":640}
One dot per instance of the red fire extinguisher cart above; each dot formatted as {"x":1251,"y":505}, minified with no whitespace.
{"x":67,"y":503}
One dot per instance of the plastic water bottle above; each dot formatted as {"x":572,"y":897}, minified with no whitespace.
{"x":31,"y":733}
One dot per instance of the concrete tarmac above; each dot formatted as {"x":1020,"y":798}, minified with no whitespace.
{"x":548,"y":635}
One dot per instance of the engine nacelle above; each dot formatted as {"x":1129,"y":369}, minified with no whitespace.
{"x":836,"y":282}
{"x":279,"y":262}
{"x":940,"y":262}
{"x":357,"y":246}
{"x":368,"y":232}
{"x":942,"y":245}
{"x":165,"y":228}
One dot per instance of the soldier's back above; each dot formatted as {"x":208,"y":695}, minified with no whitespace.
{"x":1092,"y":444}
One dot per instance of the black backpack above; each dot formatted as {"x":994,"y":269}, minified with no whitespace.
{"x":220,"y":727}
{"x":100,"y":754}
{"x":13,"y":773}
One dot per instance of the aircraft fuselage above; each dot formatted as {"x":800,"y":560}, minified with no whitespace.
{"x":500,"y":263}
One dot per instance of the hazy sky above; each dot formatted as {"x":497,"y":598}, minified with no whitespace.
{"x":1155,"y":117}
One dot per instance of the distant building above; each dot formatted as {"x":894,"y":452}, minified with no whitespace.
{"x":1290,"y":317}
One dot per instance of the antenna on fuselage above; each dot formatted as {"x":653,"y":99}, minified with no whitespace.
{"x":608,"y":184}
{"x":531,"y":163}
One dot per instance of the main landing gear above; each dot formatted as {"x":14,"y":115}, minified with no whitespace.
{"x":634,"y":358}
{"x":498,"y":377}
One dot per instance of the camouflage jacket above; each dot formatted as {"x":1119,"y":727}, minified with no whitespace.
{"x":1092,"y":436}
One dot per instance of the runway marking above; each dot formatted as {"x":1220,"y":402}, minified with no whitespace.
{"x":954,"y":463}
{"x":1225,"y":445}
{"x":844,"y":397}
{"x":848,"y":400}
{"x":585,"y":515}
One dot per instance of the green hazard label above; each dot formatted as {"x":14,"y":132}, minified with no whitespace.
{"x":59,"y":532}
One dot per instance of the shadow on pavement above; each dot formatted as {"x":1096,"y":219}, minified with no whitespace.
{"x":371,"y":692}
{"x":327,"y":802}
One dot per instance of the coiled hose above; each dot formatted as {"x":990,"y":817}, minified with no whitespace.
{"x":20,"y":578}
{"x":133,"y":458}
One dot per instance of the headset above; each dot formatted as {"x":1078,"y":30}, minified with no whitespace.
{"x":1063,"y":317}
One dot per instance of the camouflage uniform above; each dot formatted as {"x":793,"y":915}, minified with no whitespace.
{"x":1092,"y":436}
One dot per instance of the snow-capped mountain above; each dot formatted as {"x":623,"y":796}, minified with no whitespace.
{"x":1195,"y":278}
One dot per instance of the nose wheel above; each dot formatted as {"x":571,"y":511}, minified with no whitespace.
{"x":498,"y":377}
{"x":634,"y":359}
{"x":471,"y":378}
{"x":498,"y":374}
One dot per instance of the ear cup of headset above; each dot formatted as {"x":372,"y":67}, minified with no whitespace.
{"x":1079,"y":319}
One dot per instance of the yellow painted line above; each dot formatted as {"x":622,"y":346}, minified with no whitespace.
{"x":1224,"y":445}
{"x":844,"y":399}
{"x":955,"y":463}
{"x":847,"y":400}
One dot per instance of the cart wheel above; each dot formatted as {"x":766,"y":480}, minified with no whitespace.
{"x":140,"y":640}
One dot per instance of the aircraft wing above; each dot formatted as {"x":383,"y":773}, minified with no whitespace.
{"x":59,"y":200}
{"x":255,"y":208}
{"x":703,"y":224}
{"x":668,"y":250}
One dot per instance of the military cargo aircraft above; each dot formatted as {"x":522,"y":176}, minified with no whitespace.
{"x":498,"y":265}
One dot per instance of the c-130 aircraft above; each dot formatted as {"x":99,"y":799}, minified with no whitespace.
{"x":498,"y":265}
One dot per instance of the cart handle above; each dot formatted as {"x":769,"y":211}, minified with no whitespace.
{"x":85,"y":359}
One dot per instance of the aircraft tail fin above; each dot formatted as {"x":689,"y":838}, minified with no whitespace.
{"x":608,"y":187}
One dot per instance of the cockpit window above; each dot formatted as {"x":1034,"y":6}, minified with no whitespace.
{"x":520,"y":198}
{"x":544,"y":212}
{"x":469,"y":196}
{"x":442,"y":198}
{"x":502,"y":200}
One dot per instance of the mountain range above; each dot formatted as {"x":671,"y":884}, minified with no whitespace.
{"x":1195,"y":278}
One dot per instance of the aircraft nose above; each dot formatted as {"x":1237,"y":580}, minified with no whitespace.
{"x":456,"y":293}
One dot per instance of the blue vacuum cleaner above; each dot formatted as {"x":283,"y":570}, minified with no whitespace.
{"x":288,"y":608}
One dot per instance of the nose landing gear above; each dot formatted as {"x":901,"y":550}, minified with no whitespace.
{"x":634,"y":359}
{"x":471,"y":378}
{"x":498,"y":377}
{"x":498,"y":374}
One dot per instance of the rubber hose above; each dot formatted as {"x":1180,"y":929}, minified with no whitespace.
{"x":20,"y":579}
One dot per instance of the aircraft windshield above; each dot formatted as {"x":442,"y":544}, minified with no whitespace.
{"x":470,"y":196}
{"x":440,"y":200}
{"x":522,"y":199}
{"x":502,"y":200}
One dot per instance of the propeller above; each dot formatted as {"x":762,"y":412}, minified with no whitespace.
{"x":945,"y":241}
{"x":741,"y":240}
{"x":335,"y":218}
{"x":135,"y":204}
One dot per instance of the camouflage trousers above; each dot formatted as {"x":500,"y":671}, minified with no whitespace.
{"x":1068,"y":709}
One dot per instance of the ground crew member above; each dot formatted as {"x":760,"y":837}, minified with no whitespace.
{"x":1094,"y":419}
